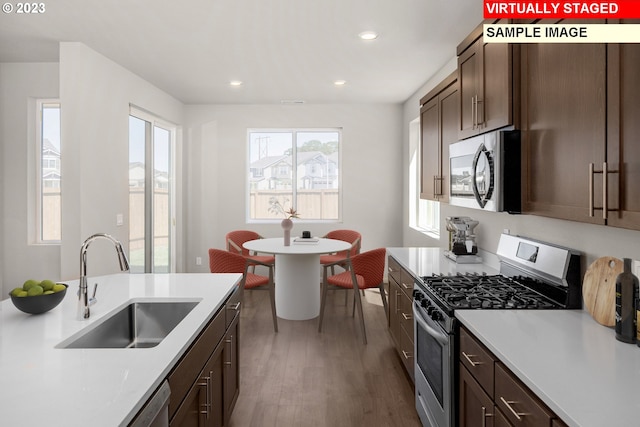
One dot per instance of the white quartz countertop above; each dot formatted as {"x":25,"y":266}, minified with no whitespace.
{"x":574,"y":364}
{"x":45,"y":385}
{"x":428,"y":261}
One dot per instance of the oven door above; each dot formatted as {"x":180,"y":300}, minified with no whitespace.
{"x":433,"y":371}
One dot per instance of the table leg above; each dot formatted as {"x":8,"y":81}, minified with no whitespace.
{"x":297,"y":286}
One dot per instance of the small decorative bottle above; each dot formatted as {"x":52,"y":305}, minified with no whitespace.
{"x":626,"y":297}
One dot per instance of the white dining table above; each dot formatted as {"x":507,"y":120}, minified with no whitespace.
{"x":297,"y":273}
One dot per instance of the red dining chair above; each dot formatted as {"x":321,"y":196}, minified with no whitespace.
{"x":235,"y":239}
{"x":340,"y":258}
{"x":364,"y":271}
{"x":227,"y":262}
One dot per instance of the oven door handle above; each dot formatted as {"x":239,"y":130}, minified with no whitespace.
{"x":442,"y":338}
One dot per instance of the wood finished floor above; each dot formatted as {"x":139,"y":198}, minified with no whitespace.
{"x":299,"y":377}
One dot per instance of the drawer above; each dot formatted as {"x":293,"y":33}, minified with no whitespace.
{"x":394,"y":270}
{"x":232,"y":307}
{"x":517,"y":402}
{"x":478,"y":360}
{"x":405,"y":313}
{"x":406,"y":283}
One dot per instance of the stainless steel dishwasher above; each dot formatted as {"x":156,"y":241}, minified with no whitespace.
{"x":155,"y":412}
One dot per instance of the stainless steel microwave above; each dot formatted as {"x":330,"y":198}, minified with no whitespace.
{"x":484,"y":172}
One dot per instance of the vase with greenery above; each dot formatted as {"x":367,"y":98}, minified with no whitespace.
{"x":276,"y":207}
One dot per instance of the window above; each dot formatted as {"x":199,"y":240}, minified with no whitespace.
{"x":297,"y":169}
{"x":424,"y":215}
{"x":151,"y":198}
{"x":49,"y":210}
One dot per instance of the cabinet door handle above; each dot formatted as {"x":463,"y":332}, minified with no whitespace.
{"x":407,"y":354}
{"x":469,"y":356}
{"x":484,"y":416}
{"x":205,"y":382}
{"x":508,"y":404}
{"x":397,"y":305}
{"x":407,"y":316}
{"x":473,"y":115}
{"x":605,"y":183}
{"x":479,"y":120}
{"x":435,"y":189}
{"x":230,"y":342}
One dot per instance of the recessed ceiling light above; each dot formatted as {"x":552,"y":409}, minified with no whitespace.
{"x":368,"y":35}
{"x":235,"y":83}
{"x":340,"y":82}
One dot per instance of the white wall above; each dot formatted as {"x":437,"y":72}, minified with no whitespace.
{"x":20,"y":259}
{"x":95,"y":94}
{"x":593,"y":240}
{"x":216,"y":154}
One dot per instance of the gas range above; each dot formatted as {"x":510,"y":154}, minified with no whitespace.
{"x":533,"y":275}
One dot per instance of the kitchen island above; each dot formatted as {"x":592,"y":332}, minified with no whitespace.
{"x":45,"y":385}
{"x":571,"y":362}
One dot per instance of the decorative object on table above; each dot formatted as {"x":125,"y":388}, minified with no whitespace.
{"x":626,"y":296}
{"x":276,"y":207}
{"x":36,"y":297}
{"x":599,"y":289}
{"x":227,"y":262}
{"x":306,"y":234}
{"x":306,"y":240}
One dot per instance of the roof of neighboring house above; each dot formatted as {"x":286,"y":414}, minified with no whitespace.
{"x":265,"y":162}
{"x":48,"y":146}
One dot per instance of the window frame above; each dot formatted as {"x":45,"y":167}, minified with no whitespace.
{"x":424,"y":215}
{"x":40,"y":105}
{"x":294,"y":189}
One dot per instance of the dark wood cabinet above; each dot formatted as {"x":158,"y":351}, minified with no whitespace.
{"x":401,"y":313}
{"x":623,"y":135}
{"x":491,"y":395}
{"x":438,"y":129}
{"x":487,"y":85}
{"x":563,"y":127}
{"x":204,"y":383}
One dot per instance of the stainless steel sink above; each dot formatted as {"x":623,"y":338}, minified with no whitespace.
{"x":136,"y":325}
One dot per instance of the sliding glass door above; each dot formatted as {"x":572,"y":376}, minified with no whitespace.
{"x":151,"y":223}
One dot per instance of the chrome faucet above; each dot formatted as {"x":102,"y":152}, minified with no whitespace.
{"x":82,"y":292}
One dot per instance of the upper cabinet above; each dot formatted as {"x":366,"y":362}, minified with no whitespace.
{"x":439,"y":123}
{"x":623,"y":135}
{"x":487,"y":86}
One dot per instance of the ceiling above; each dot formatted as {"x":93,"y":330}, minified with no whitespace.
{"x":280,"y":49}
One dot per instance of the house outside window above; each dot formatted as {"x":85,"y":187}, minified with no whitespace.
{"x":48,"y":191}
{"x":294,"y":168}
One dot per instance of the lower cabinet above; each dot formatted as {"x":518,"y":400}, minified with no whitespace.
{"x":491,"y":396}
{"x":204,"y":384}
{"x":401,"y":313}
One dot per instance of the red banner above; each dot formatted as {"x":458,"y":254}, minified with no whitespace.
{"x":518,"y":9}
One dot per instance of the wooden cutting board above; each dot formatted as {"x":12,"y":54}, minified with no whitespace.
{"x":599,"y":289}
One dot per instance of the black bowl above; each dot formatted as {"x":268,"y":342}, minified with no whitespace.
{"x":40,"y":303}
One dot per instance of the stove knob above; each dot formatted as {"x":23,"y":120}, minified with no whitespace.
{"x":430,"y":310}
{"x":436,"y":315}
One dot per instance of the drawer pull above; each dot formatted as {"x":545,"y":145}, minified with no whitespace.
{"x":508,"y":403}
{"x":234,"y":307}
{"x":407,"y":316}
{"x":404,"y":285}
{"x":407,"y":354}
{"x":484,"y":416}
{"x":469,"y":356}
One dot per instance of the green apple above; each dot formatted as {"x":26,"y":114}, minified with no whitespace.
{"x":30,"y":283}
{"x":35,"y":291}
{"x":47,"y":284}
{"x":58,"y":287}
{"x":16,"y":291}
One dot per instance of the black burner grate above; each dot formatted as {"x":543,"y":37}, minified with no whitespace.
{"x":487,"y":291}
